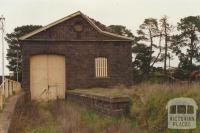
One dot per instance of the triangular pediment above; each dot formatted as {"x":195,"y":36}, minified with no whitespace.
{"x":76,"y":26}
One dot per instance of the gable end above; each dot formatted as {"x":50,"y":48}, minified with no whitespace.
{"x":98,"y":32}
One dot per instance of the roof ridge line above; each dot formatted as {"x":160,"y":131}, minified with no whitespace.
{"x":68,"y":17}
{"x":49,"y":25}
{"x":105,"y":32}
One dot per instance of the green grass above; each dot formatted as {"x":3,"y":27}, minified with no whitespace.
{"x":49,"y":128}
{"x":49,"y":123}
{"x":98,"y":121}
{"x":34,"y":118}
{"x":101,"y":123}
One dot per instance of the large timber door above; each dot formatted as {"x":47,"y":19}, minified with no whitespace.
{"x":47,"y":77}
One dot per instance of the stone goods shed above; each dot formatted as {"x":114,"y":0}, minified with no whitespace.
{"x":74,"y":52}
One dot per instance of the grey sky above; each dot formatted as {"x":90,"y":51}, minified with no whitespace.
{"x":130,"y":13}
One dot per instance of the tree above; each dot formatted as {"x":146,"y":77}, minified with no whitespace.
{"x":14,"y":56}
{"x":186,"y":44}
{"x":147,"y":33}
{"x":165,"y":28}
{"x":142,"y":59}
{"x":121,"y":30}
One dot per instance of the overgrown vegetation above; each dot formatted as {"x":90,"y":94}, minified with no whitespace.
{"x":149,"y":104}
{"x":63,"y":117}
{"x":148,"y":112}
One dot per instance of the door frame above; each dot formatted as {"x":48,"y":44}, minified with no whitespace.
{"x":65,"y":64}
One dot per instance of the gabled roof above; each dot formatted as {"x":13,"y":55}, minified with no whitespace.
{"x":98,"y":26}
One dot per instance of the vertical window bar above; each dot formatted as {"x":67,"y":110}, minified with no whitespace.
{"x":104,"y":67}
{"x":101,"y":67}
{"x":96,"y":70}
{"x":98,"y":67}
{"x":100,"y":61}
{"x":106,"y":73}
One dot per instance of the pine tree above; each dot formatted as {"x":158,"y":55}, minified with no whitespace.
{"x":121,"y":30}
{"x":186,"y":44}
{"x":147,"y":33}
{"x":14,"y":53}
{"x":166,"y":29}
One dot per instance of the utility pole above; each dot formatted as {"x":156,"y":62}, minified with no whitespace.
{"x":2,"y":19}
{"x":17,"y":65}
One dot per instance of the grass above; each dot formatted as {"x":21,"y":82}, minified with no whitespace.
{"x":107,"y":124}
{"x":148,"y":110}
{"x":49,"y":124}
{"x":147,"y":114}
{"x":33,"y":118}
{"x":149,"y":102}
{"x":63,"y":117}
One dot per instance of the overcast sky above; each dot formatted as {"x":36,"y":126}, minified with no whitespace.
{"x":130,"y":13}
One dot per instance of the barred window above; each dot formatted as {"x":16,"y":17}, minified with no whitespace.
{"x":101,"y":67}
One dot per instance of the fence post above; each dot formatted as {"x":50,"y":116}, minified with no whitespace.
{"x":10,"y":87}
{"x":5,"y":88}
{"x":8,"y":82}
{"x":1,"y":99}
{"x":14,"y":86}
{"x":11,"y":92}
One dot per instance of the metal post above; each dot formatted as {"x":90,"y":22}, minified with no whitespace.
{"x":2,"y":19}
